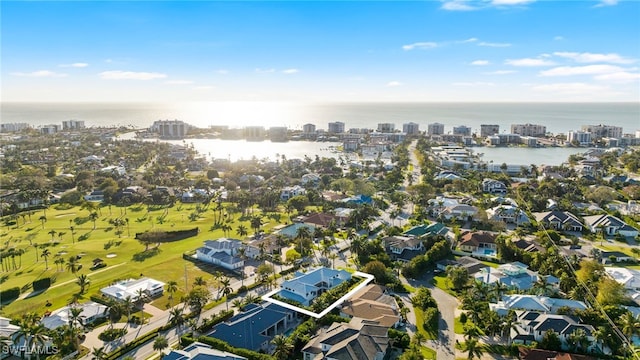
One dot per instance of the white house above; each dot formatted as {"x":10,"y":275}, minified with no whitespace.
{"x":305,"y":287}
{"x":91,"y":312}
{"x":132,"y":288}
{"x":290,"y":191}
{"x":492,"y":186}
{"x":610,"y":225}
{"x":222,"y":252}
{"x":508,"y":214}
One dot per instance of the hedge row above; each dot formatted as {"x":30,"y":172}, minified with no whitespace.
{"x":223,"y":346}
{"x":41,"y":284}
{"x":216,"y":319}
{"x":167,"y":236}
{"x":132,"y":345}
{"x":9,"y":294}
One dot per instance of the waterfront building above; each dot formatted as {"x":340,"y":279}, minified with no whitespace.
{"x":278,"y":133}
{"x":49,"y":129}
{"x":462,"y":130}
{"x":254,"y":133}
{"x":411,"y":128}
{"x":359,"y":131}
{"x":529,"y":130}
{"x":350,"y":144}
{"x":336,"y":127}
{"x":489,"y":130}
{"x":170,"y":129}
{"x":386,"y":127}
{"x":581,"y":137}
{"x":309,"y":128}
{"x":529,"y":141}
{"x":435,"y":129}
{"x":601,"y":131}
{"x":13,"y":127}
{"x":73,"y":124}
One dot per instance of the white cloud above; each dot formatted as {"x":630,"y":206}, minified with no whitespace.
{"x":40,"y":74}
{"x":458,"y":5}
{"x":529,"y":62}
{"x":510,"y":2}
{"x":569,"y":88}
{"x":473,"y":84}
{"x":394,"y":83}
{"x":203,"y":87}
{"x":75,"y":65}
{"x":480,"y":62}
{"x":265,"y":71}
{"x":500,"y":72}
{"x":619,"y":77}
{"x":222,"y":71}
{"x":179,"y":82}
{"x":469,"y":40}
{"x":290,"y":71}
{"x":607,"y":3}
{"x":581,"y":70}
{"x":558,"y":38}
{"x":498,"y":45}
{"x":131,"y":75}
{"x":420,"y":45}
{"x":587,"y":57}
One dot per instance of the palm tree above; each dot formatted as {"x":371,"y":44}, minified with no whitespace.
{"x":127,"y":305}
{"x":72,"y":264}
{"x":172,"y":287}
{"x":98,"y":354}
{"x":45,"y":254}
{"x":43,"y":219}
{"x":160,"y":343}
{"x":199,"y":281}
{"x":73,"y":238}
{"x":83,"y":281}
{"x":93,"y":217}
{"x":283,"y":347}
{"x":176,"y":317}
{"x":52,"y":233}
{"x":473,"y":349}
{"x":237,"y":304}
{"x":59,"y":263}
{"x":242,"y":231}
{"x":630,"y":325}
{"x":226,"y":289}
{"x":114,"y":311}
{"x":256,"y":223}
{"x":75,"y":318}
{"x":418,"y":338}
{"x":601,"y":335}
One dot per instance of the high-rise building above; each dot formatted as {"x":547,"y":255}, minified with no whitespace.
{"x":170,"y":129}
{"x":49,"y":129}
{"x":435,"y":129}
{"x":278,"y":133}
{"x":386,"y":127}
{"x":529,"y":130}
{"x":411,"y":128}
{"x":254,"y":133}
{"x":582,"y":137}
{"x":73,"y":124}
{"x":336,"y":127}
{"x":489,"y":130}
{"x":13,"y":127}
{"x":603,"y":131}
{"x":309,"y":129}
{"x":462,"y":130}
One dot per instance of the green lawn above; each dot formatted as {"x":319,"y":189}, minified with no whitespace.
{"x":428,"y":353}
{"x":419,"y":325}
{"x":458,"y":327}
{"x":125,"y":257}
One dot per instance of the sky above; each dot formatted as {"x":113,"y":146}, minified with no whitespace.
{"x":305,"y":51}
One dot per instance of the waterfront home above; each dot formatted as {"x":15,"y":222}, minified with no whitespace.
{"x":222,"y":252}
{"x":514,"y":275}
{"x":536,"y":325}
{"x":91,"y":312}
{"x":355,"y":340}
{"x":478,"y":242}
{"x":559,"y":220}
{"x":609,"y":225}
{"x":305,"y":287}
{"x":132,"y":288}
{"x":372,"y":303}
{"x":200,"y":351}
{"x":403,"y":248}
{"x":492,"y":186}
{"x":255,"y":326}
{"x":537,"y":303}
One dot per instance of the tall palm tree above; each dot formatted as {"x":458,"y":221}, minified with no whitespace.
{"x":93,"y":217}
{"x":72,"y":265}
{"x":172,"y":287}
{"x":199,"y":281}
{"x":127,"y":305}
{"x":473,"y":349}
{"x":75,"y":319}
{"x":283,"y":347}
{"x":241,"y":230}
{"x":114,"y":312}
{"x":43,"y":219}
{"x":45,"y":254}
{"x":52,"y":233}
{"x":98,"y":354}
{"x":83,"y":281}
{"x":226,"y":289}
{"x":160,"y":343}
{"x":176,"y":317}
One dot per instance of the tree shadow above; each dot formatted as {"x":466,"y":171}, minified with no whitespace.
{"x":144,"y":255}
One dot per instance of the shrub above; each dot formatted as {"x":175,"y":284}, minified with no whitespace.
{"x":112,"y":334}
{"x":9,"y":294}
{"x":431,"y":318}
{"x":41,"y":284}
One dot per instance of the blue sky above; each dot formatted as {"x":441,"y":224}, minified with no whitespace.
{"x":473,"y":50}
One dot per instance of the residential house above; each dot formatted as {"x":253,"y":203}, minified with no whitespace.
{"x":222,"y":252}
{"x":403,"y":248}
{"x":425,"y":230}
{"x":451,"y":209}
{"x":95,"y":195}
{"x":559,"y":220}
{"x":472,"y":265}
{"x":255,"y":326}
{"x":262,"y":247}
{"x":480,"y":242}
{"x":358,"y":200}
{"x":536,"y":325}
{"x":290,"y":191}
{"x":508,"y":214}
{"x":492,"y":186}
{"x":629,"y":278}
{"x":356,"y":340}
{"x":610,"y":225}
{"x":542,"y":304}
{"x":324,"y":220}
{"x":132,"y":288}
{"x":200,"y":351}
{"x":291,"y":231}
{"x":305,"y":287}
{"x":312,"y":178}
{"x":91,"y":311}
{"x":374,"y":304}
{"x":528,"y":246}
{"x":616,"y":256}
{"x":7,"y":331}
{"x":514,"y":275}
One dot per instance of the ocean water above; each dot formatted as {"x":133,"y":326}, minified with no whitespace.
{"x":558,"y":117}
